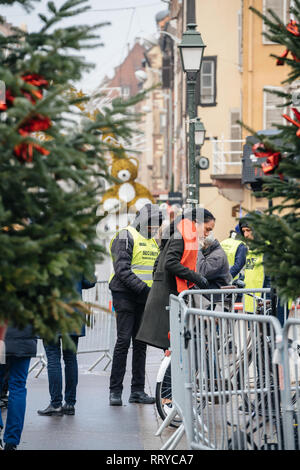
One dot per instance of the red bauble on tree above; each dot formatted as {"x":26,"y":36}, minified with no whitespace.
{"x":36,"y":123}
{"x":272,"y":158}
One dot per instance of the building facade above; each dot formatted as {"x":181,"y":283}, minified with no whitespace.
{"x":231,"y":88}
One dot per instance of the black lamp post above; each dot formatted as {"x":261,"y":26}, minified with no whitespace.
{"x":200,"y":132}
{"x":191,"y":53}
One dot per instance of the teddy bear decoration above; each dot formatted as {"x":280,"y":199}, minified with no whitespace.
{"x":126,"y":195}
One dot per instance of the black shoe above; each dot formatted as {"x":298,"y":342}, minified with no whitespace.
{"x":115,"y":399}
{"x":10,"y":446}
{"x":68,"y":409}
{"x":1,"y":441}
{"x":51,"y":411}
{"x":141,"y":397}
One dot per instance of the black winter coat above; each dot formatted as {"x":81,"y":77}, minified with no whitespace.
{"x":20,"y":343}
{"x":155,"y":323}
{"x":125,"y":280}
{"x":213,"y":264}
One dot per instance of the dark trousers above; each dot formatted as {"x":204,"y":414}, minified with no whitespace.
{"x":54,"y":351}
{"x":129,"y":315}
{"x":16,"y":406}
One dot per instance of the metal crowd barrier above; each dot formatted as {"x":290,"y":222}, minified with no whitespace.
{"x":233,"y":385}
{"x":100,"y":328}
{"x":291,"y":368}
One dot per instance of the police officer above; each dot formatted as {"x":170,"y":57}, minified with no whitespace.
{"x":134,"y":251}
{"x":236,"y":252}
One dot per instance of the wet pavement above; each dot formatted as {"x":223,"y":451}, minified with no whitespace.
{"x":96,"y":425}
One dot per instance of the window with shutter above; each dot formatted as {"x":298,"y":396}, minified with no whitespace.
{"x":235,"y":134}
{"x":207,"y":82}
{"x":280,"y":8}
{"x":273,"y":109}
{"x":125,"y":91}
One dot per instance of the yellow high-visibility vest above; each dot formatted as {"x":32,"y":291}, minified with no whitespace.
{"x":145,"y":252}
{"x":230,"y":246}
{"x":254,"y":277}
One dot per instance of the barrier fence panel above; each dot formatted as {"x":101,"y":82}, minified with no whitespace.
{"x":100,"y":331}
{"x":177,"y":376}
{"x":226,"y":383}
{"x":291,"y":336}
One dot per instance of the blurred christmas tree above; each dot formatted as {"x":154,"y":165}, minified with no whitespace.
{"x":277,"y":231}
{"x":52,"y":167}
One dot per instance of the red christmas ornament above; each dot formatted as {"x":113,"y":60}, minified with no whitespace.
{"x":24,"y":151}
{"x":292,"y":28}
{"x":39,"y":82}
{"x":296,"y":123}
{"x":272,"y":158}
{"x":35,"y":124}
{"x":34,"y":79}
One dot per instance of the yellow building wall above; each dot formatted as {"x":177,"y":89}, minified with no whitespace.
{"x":217,"y":21}
{"x":259,"y":71}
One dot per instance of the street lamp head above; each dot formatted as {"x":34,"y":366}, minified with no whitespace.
{"x":191,"y":49}
{"x":199,"y":132}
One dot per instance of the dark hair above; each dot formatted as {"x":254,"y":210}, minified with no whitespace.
{"x":198,"y":214}
{"x":208,"y":216}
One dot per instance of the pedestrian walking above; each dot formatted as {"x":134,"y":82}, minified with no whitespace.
{"x":134,"y":251}
{"x":20,"y":347}
{"x":175,"y":271}
{"x":54,"y":352}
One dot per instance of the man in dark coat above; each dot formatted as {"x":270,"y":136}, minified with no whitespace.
{"x":170,"y":268}
{"x":20,"y":346}
{"x":130,"y":287}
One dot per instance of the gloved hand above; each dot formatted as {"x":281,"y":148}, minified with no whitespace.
{"x":201,"y":281}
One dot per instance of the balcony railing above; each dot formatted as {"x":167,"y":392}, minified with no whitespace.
{"x":227,"y":157}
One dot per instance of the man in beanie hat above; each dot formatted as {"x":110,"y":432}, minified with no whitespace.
{"x":134,"y":251}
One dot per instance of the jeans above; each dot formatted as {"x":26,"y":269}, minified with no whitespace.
{"x":53,"y":352}
{"x":129,"y":316}
{"x":18,"y":371}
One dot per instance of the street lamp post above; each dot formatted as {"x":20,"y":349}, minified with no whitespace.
{"x":191,"y":53}
{"x":199,"y":141}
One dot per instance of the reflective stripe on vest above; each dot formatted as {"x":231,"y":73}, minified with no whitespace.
{"x":230,"y":246}
{"x":254,"y":277}
{"x":144,"y":254}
